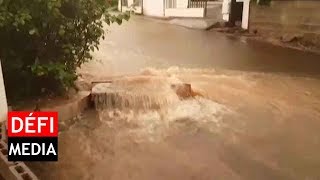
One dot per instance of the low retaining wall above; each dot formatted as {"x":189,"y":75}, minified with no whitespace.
{"x":19,"y":170}
{"x":73,"y":108}
{"x":12,"y":170}
{"x":299,"y":18}
{"x":185,"y":12}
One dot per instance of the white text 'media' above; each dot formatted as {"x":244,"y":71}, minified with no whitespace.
{"x":33,"y":149}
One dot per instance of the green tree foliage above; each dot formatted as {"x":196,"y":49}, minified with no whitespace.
{"x":113,"y":3}
{"x":42,"y":42}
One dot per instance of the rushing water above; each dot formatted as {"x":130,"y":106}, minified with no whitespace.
{"x":149,"y":103}
{"x":135,"y":92}
{"x":151,"y":125}
{"x":129,"y":122}
{"x":142,"y":43}
{"x":241,"y":128}
{"x":253,"y":123}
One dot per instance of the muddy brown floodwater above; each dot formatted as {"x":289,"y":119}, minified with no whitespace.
{"x":258,"y":116}
{"x":142,"y":42}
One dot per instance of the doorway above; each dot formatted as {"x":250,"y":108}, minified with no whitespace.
{"x":236,"y":13}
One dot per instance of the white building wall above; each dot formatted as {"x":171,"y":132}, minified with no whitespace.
{"x":226,"y":6}
{"x":182,"y":3}
{"x":245,"y":13}
{"x":119,"y":5}
{"x":130,"y":3}
{"x":174,"y":8}
{"x":153,"y":8}
{"x":185,"y":12}
{"x":3,"y":99}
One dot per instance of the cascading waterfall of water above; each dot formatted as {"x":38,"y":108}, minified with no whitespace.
{"x":140,"y":92}
{"x":147,"y":105}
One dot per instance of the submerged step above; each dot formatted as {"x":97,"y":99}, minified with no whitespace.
{"x":140,"y":92}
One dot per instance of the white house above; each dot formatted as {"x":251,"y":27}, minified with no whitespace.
{"x":166,"y":8}
{"x":232,"y":10}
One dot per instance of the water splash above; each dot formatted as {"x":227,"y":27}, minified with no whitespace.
{"x":154,"y":124}
{"x":138,"y":92}
{"x":146,"y":106}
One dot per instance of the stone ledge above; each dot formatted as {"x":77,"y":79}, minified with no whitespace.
{"x":73,"y":108}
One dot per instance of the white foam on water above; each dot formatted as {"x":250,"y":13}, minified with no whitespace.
{"x":153,"y":124}
{"x":211,"y":75}
{"x":130,"y":101}
{"x":198,"y":109}
{"x":175,"y":70}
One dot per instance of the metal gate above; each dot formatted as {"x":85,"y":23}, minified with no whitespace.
{"x":197,"y":3}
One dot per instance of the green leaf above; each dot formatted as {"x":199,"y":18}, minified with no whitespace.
{"x":62,"y":35}
{"x":119,"y":21}
{"x":40,"y":73}
{"x":67,"y":51}
{"x":61,"y":32}
{"x":107,"y":21}
{"x":126,"y":16}
{"x":32,"y":31}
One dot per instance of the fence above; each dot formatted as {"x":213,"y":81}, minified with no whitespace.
{"x":197,"y":4}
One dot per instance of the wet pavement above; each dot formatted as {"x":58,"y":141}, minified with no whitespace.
{"x":258,"y":116}
{"x":142,"y":42}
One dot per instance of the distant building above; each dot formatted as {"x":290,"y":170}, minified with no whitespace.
{"x":166,"y":8}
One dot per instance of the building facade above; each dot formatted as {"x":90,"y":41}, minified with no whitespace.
{"x":165,"y":8}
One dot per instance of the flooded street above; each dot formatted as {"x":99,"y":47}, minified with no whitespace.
{"x":143,"y":42}
{"x":255,"y":113}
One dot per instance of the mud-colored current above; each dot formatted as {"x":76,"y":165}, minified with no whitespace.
{"x":258,"y":116}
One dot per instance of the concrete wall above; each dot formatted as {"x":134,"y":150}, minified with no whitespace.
{"x":3,"y":100}
{"x":226,"y":6}
{"x":245,"y":13}
{"x":153,"y":8}
{"x":182,"y":3}
{"x":286,"y":17}
{"x":185,"y":12}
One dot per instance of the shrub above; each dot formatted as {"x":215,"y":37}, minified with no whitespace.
{"x":113,"y":3}
{"x":42,"y":42}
